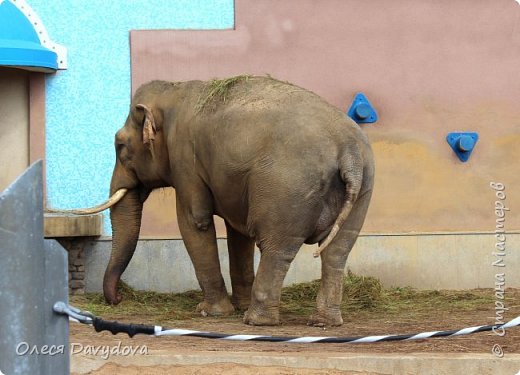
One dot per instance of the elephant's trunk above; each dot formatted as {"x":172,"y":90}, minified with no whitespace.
{"x":125,"y":217}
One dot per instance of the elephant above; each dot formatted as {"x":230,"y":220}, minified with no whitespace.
{"x":278,"y":163}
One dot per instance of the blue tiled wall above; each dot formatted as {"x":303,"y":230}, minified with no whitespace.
{"x":87,"y":103}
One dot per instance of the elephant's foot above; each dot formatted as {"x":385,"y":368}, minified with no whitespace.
{"x":262,"y":317}
{"x":223,"y":307}
{"x":329,"y":317}
{"x":241,"y":303}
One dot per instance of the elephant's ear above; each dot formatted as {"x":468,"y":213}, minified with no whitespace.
{"x":149,"y":127}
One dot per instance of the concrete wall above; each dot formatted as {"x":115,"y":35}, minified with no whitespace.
{"x":430,"y":261}
{"x":14,"y":124}
{"x":436,"y":261}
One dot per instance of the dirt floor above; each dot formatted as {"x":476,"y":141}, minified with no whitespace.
{"x":408,"y":317}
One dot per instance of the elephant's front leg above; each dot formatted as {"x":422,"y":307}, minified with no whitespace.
{"x":241,"y":267}
{"x":198,"y":232}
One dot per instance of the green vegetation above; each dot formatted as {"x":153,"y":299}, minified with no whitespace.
{"x":363,"y":298}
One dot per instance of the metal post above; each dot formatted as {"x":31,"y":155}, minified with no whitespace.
{"x":33,"y":276}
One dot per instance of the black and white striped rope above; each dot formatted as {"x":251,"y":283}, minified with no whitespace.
{"x":159,"y":331}
{"x":133,"y":329}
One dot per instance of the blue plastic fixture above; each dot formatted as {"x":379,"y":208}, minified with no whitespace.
{"x":462,"y":143}
{"x":24,"y":42}
{"x":361,"y":111}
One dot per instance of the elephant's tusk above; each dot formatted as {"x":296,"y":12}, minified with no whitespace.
{"x":116,"y":197}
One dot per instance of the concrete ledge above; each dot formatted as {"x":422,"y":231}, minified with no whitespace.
{"x":373,"y":363}
{"x":59,"y":225}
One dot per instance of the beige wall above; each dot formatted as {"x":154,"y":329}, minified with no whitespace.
{"x":14,"y":124}
{"x":429,"y":67}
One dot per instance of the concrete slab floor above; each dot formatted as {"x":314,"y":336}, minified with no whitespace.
{"x":351,"y":363}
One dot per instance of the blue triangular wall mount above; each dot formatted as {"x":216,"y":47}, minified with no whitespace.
{"x":462,"y":143}
{"x":361,"y":111}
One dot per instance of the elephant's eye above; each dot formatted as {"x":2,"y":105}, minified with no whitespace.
{"x":121,"y":152}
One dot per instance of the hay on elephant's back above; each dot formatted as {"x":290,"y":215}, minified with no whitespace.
{"x":267,"y":92}
{"x":217,"y":91}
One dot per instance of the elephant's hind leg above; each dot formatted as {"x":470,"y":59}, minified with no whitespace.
{"x":241,"y":267}
{"x":333,"y":260}
{"x":265,"y":297}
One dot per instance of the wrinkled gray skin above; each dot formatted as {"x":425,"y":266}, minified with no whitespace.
{"x":275,"y":161}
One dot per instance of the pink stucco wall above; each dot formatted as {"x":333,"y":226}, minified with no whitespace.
{"x":430,"y":67}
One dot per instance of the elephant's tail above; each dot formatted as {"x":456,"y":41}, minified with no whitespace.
{"x":351,"y":172}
